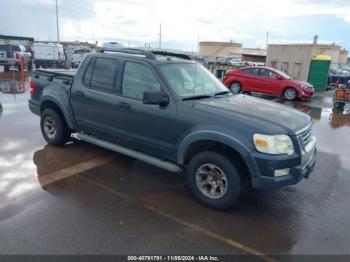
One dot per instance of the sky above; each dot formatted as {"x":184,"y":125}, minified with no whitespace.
{"x":184,"y":22}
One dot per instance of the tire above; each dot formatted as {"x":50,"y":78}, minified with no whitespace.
{"x":290,"y":94}
{"x":54,"y":128}
{"x":236,"y":87}
{"x":228,"y":189}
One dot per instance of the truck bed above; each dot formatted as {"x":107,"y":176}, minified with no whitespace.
{"x":65,"y":74}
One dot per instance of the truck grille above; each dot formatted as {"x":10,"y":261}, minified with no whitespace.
{"x":306,"y":136}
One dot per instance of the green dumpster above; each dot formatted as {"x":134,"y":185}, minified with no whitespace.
{"x":318,"y":73}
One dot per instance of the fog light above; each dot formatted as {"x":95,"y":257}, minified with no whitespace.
{"x":282,"y":172}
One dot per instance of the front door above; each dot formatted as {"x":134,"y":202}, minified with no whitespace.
{"x":150,"y":128}
{"x":268,"y":83}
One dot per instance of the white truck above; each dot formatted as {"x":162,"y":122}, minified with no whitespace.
{"x":78,"y":55}
{"x":48,"y":55}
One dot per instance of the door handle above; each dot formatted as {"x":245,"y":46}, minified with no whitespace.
{"x":79,"y":93}
{"x":124,"y":105}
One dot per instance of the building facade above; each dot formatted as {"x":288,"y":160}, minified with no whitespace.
{"x":295,"y":59}
{"x":16,"y":40}
{"x":217,"y":48}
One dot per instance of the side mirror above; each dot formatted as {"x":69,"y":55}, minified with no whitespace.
{"x":155,"y":98}
{"x":278,"y":77}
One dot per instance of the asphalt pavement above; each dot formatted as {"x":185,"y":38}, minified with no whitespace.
{"x":81,"y":199}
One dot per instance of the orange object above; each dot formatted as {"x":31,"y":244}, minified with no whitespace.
{"x":261,"y":143}
{"x":340,"y":94}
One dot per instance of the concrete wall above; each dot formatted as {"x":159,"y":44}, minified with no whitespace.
{"x":217,"y":48}
{"x":343,"y":57}
{"x":294,"y":59}
{"x":332,"y":51}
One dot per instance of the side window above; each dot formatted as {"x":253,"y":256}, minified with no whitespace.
{"x":88,"y":73}
{"x":138,"y":79}
{"x":267,"y":73}
{"x":104,"y":74}
{"x":251,"y":71}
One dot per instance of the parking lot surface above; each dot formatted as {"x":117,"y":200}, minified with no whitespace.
{"x":81,"y":199}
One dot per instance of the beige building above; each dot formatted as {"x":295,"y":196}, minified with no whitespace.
{"x":250,"y":54}
{"x":295,"y":59}
{"x":16,"y":40}
{"x":217,"y":48}
{"x":232,"y":49}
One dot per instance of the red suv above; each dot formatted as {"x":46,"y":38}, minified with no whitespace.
{"x":267,"y":80}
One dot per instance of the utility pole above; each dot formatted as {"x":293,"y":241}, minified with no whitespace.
{"x":160,"y":36}
{"x":267,"y":40}
{"x":58,"y":30}
{"x":198,"y":43}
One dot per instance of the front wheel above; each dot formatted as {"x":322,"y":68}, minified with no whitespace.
{"x":290,"y":94}
{"x":236,"y":87}
{"x":214,"y":180}
{"x":54,"y":128}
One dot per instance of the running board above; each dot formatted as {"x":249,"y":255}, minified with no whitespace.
{"x":125,"y":151}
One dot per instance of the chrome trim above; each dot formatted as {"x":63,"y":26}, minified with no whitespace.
{"x":311,"y":145}
{"x":172,"y":167}
{"x":307,"y":163}
{"x":303,"y":129}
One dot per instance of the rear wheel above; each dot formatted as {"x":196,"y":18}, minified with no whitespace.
{"x":214,"y":180}
{"x":236,"y":87}
{"x":290,"y":94}
{"x":54,"y":128}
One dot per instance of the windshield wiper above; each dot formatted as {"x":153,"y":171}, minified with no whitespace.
{"x":222,"y":93}
{"x":196,"y":97}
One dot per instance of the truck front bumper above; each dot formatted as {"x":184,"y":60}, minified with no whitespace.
{"x":300,"y":166}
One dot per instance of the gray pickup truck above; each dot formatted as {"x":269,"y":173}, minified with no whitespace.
{"x":173,"y":113}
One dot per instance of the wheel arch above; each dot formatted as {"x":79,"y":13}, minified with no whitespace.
{"x":217,"y":142}
{"x":52,"y":103}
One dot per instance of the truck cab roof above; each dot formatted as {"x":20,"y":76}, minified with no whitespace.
{"x":152,"y":56}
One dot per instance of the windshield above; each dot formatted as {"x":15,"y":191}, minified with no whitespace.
{"x":191,"y":80}
{"x":284,"y":74}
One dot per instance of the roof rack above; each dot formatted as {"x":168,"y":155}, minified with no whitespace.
{"x":170,"y":54}
{"x":130,"y":51}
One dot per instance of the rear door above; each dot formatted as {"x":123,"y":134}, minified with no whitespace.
{"x":250,"y":79}
{"x":95,"y":100}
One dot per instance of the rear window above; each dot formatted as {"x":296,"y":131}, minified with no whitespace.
{"x":104,"y":74}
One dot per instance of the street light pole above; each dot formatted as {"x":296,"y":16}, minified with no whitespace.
{"x":58,"y":30}
{"x":160,"y":36}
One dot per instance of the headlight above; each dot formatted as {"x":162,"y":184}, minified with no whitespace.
{"x":275,"y":145}
{"x":303,"y":86}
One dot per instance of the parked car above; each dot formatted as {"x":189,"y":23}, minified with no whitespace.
{"x":237,"y":62}
{"x":79,"y":55}
{"x":266,"y":80}
{"x":10,"y":54}
{"x":340,"y":76}
{"x":48,"y":55}
{"x":173,"y":113}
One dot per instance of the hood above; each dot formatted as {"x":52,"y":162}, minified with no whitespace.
{"x":272,"y":113}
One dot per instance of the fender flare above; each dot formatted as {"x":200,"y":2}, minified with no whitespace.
{"x":67,"y":116}
{"x":212,"y":136}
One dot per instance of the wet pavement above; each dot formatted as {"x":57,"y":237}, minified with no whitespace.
{"x":81,"y":199}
